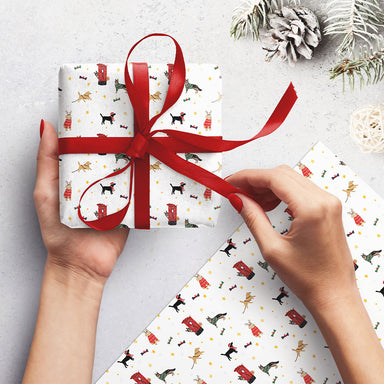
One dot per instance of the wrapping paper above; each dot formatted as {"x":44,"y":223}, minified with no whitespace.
{"x":235,"y":320}
{"x":93,"y":102}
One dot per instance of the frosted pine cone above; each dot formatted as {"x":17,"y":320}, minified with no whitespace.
{"x":294,"y":32}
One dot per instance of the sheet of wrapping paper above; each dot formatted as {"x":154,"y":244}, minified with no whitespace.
{"x":244,"y":321}
{"x":82,"y":104}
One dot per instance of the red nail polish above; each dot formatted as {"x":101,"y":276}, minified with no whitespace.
{"x":236,"y":202}
{"x":41,"y":128}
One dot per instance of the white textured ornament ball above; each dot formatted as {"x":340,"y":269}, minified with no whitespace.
{"x":367,"y":128}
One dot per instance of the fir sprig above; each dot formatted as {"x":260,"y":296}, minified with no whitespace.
{"x":368,"y":67}
{"x":250,"y":17}
{"x":353,"y":19}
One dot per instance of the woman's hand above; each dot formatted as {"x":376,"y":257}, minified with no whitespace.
{"x":313,"y":258}
{"x":82,"y":251}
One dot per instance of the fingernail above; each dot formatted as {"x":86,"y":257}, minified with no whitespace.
{"x":225,"y":178}
{"x":41,"y":128}
{"x":236,"y":202}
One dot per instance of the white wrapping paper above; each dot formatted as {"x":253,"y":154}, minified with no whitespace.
{"x":236,"y":320}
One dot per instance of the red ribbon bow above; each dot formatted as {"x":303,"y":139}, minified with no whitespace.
{"x":165,"y":149}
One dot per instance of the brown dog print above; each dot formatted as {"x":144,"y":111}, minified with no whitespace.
{"x":85,"y":96}
{"x":83,"y":167}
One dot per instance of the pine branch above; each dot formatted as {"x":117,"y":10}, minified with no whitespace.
{"x":368,"y":67}
{"x":250,"y":17}
{"x":353,"y":19}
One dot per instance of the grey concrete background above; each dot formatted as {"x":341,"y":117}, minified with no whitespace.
{"x":37,"y":36}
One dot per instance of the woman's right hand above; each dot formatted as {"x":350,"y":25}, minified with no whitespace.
{"x":313,"y":258}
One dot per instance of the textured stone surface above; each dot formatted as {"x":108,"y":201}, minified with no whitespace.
{"x":37,"y":37}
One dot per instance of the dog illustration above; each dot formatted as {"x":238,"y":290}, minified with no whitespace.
{"x":121,"y":156}
{"x":381,"y":291}
{"x":110,"y":118}
{"x":231,"y":350}
{"x":83,"y":167}
{"x":281,"y":295}
{"x":215,"y":319}
{"x":179,"y":301}
{"x":192,"y":156}
{"x":178,"y":118}
{"x":370,"y":256}
{"x":350,"y":189}
{"x":199,"y":381}
{"x":208,"y":120}
{"x":267,"y":367}
{"x":190,"y":225}
{"x":255,"y":330}
{"x":119,"y":85}
{"x":304,"y":170}
{"x":189,"y":86}
{"x":97,"y":75}
{"x":68,"y":120}
{"x":218,"y":99}
{"x":128,"y":356}
{"x":162,"y":376}
{"x":155,"y":96}
{"x":356,"y":217}
{"x":68,"y":190}
{"x":155,"y":166}
{"x":196,"y":356}
{"x":307,"y":379}
{"x":109,"y":188}
{"x":151,"y":337}
{"x":263,"y":265}
{"x":85,"y":96}
{"x":230,"y":246}
{"x":248,"y":300}
{"x":177,"y":188}
{"x":220,"y":167}
{"x":202,"y":281}
{"x":299,"y":349}
{"x":166,"y":73}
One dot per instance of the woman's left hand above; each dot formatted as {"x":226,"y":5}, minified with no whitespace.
{"x":83,"y":251}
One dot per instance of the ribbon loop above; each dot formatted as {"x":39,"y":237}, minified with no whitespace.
{"x":138,"y":147}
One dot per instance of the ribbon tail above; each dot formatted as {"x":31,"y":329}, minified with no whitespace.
{"x":217,"y":144}
{"x":111,"y":221}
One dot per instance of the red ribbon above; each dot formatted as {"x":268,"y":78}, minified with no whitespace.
{"x":165,"y":149}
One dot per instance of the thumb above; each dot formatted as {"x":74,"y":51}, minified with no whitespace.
{"x":258,"y":223}
{"x":47,"y":175}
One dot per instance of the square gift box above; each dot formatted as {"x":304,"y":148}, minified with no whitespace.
{"x":93,"y":102}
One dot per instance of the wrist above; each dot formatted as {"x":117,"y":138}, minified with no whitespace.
{"x":74,"y":280}
{"x":336,"y":303}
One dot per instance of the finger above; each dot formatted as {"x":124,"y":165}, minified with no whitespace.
{"x":258,"y":223}
{"x":282,"y":184}
{"x":47,"y":158}
{"x":47,"y":177}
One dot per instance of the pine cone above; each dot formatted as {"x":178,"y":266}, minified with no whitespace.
{"x":294,"y":32}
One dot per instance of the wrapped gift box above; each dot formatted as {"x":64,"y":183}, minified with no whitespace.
{"x":93,"y":102}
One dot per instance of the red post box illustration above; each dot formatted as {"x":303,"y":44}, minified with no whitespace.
{"x":244,"y":270}
{"x":139,"y":378}
{"x":296,"y":318}
{"x":193,"y":325}
{"x":245,"y":374}
{"x":102,"y":74}
{"x":101,"y":210}
{"x":172,"y":214}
